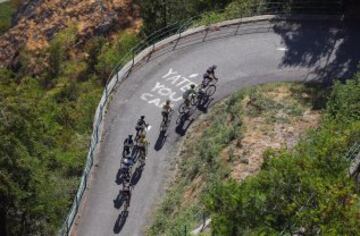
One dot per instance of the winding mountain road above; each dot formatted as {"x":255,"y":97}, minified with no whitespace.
{"x":260,"y":52}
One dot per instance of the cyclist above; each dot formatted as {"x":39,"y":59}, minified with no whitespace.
{"x":141,"y":125}
{"x":128,"y":163}
{"x":126,"y":191}
{"x":201,"y":92}
{"x":142,"y":145}
{"x":188,"y":93}
{"x":128,"y":145}
{"x":166,"y":109}
{"x":209,"y":76}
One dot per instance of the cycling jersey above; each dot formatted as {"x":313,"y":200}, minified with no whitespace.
{"x":166,"y":108}
{"x":128,"y":142}
{"x":142,"y":142}
{"x":188,"y":92}
{"x":141,"y":122}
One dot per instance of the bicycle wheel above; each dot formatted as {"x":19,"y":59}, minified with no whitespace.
{"x":179,"y":119}
{"x":127,"y":204}
{"x":182,"y":108}
{"x":194,"y":100}
{"x":211,"y":90}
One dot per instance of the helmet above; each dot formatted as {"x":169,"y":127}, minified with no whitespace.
{"x":192,"y":86}
{"x":211,"y":69}
{"x":142,"y":117}
{"x":167,"y":102}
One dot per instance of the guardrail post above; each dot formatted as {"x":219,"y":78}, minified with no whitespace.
{"x":76,"y":203}
{"x":67,"y":229}
{"x":151,"y":52}
{"x":85,"y":181}
{"x":177,"y":41}
{"x":133,"y":59}
{"x":206,"y":33}
{"x":185,"y":231}
{"x":237,"y":28}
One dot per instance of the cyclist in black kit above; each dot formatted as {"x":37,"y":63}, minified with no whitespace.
{"x":209,"y":76}
{"x":128,"y":145}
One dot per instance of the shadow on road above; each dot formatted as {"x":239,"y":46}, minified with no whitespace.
{"x":335,"y":44}
{"x":160,"y":141}
{"x":203,"y":107}
{"x":119,"y":201}
{"x":136,"y":175}
{"x":183,"y":127}
{"x":120,"y":222}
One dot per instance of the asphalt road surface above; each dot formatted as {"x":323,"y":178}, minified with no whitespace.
{"x":260,"y":53}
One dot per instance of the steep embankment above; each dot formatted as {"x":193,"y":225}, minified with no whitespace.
{"x":36,"y":22}
{"x":240,"y":165}
{"x":229,"y":142}
{"x":58,"y":55}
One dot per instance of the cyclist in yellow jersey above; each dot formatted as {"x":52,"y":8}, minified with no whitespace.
{"x":166,"y":109}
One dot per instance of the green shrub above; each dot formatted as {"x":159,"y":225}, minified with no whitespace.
{"x":111,"y":54}
{"x":306,"y":190}
{"x":69,"y":92}
{"x":6,"y":12}
{"x":344,"y":102}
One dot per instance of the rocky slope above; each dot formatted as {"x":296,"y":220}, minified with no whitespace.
{"x":37,"y":21}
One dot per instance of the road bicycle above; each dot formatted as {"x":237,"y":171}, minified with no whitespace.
{"x":141,"y":153}
{"x":193,"y":102}
{"x":165,"y":123}
{"x":126,"y":168}
{"x":126,"y":194}
{"x":210,"y":87}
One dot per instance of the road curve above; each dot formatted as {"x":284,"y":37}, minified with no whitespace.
{"x":260,"y":52}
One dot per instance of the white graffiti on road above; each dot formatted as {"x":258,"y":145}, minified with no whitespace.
{"x":172,"y":86}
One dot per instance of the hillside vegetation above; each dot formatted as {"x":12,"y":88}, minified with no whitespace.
{"x":6,"y":11}
{"x":55,"y":57}
{"x":45,"y":127}
{"x":268,"y":187}
{"x":305,"y":190}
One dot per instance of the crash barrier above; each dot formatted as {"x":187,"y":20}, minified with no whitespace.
{"x":185,"y":33}
{"x":353,"y":156}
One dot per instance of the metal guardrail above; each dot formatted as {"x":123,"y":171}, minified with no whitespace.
{"x":353,"y":155}
{"x":149,"y":45}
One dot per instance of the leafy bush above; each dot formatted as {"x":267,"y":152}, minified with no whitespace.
{"x":344,"y":102}
{"x":304,"y":191}
{"x":6,"y":11}
{"x":44,"y":135}
{"x":111,"y":54}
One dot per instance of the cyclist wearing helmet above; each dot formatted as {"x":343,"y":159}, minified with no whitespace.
{"x":166,"y":109}
{"x":128,"y":144}
{"x":127,"y":164}
{"x":188,"y":93}
{"x":209,"y":76}
{"x":142,"y":145}
{"x":126,"y":192}
{"x":201,"y":92}
{"x":141,"y":125}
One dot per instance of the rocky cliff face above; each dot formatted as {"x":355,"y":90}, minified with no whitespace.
{"x":37,"y":21}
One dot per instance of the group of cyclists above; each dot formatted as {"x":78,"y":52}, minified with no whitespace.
{"x":136,"y":149}
{"x":133,"y":150}
{"x":195,"y":95}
